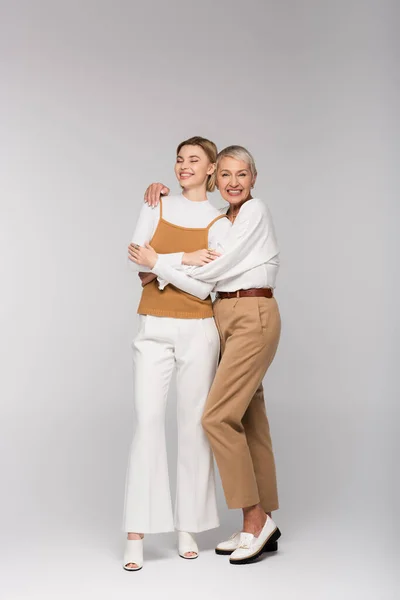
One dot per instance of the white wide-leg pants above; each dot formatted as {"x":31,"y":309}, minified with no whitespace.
{"x":192,"y":345}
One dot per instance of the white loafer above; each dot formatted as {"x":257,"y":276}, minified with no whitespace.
{"x":133,"y":554}
{"x":251,"y":547}
{"x":187,"y":543}
{"x":229,"y":546}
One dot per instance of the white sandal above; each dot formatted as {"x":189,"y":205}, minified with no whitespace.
{"x":133,"y":554}
{"x":187,"y":543}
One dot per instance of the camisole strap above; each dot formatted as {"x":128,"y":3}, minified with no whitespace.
{"x":160,"y":208}
{"x":215,"y":220}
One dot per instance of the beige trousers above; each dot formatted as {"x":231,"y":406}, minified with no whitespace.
{"x":234,"y":416}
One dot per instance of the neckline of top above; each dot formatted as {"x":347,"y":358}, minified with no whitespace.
{"x":193,"y":201}
{"x":181,"y":226}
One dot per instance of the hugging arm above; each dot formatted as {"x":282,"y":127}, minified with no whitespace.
{"x":179,"y":279}
{"x":169,"y":274}
{"x":144,"y":231}
{"x":253,"y":226}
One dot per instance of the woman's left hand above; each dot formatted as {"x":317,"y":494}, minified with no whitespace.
{"x":147,"y":278}
{"x":142,"y":255}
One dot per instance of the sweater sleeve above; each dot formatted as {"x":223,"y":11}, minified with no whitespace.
{"x":167,"y":274}
{"x":252,"y":230}
{"x":144,"y":231}
{"x":253,"y":227}
{"x":216,"y":238}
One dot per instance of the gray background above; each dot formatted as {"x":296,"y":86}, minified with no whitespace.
{"x":95,"y":97}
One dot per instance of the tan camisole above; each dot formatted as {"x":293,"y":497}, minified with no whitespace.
{"x":171,"y":301}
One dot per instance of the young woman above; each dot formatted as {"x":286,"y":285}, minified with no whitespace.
{"x":248,"y":321}
{"x":177,"y":330}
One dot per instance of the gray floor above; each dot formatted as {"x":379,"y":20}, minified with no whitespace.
{"x":318,"y":563}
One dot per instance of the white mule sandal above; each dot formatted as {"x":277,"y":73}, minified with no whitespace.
{"x":133,"y":554}
{"x":187,"y":543}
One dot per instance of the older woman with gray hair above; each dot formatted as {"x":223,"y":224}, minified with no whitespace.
{"x":248,"y":320}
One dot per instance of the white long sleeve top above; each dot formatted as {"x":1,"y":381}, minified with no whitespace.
{"x":250,"y":258}
{"x":184,"y":213}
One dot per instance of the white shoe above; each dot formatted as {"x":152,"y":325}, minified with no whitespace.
{"x":187,"y":543}
{"x":234,"y":541}
{"x":251,"y":547}
{"x":133,"y":554}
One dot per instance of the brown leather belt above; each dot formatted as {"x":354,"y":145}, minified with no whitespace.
{"x":263,"y":292}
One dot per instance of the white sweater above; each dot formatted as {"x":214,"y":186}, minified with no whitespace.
{"x":250,"y":258}
{"x":185,"y":213}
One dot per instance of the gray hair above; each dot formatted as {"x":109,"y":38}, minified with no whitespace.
{"x":240,"y":153}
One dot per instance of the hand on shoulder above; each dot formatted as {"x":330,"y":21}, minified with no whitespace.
{"x":154,"y":192}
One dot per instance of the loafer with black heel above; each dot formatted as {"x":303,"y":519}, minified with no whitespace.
{"x":226,"y":548}
{"x":251,"y":547}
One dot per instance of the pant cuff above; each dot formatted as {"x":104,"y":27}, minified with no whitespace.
{"x":198,"y":528}
{"x":139,"y":529}
{"x":243,"y":502}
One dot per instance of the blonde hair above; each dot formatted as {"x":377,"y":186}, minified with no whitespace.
{"x":240,"y":153}
{"x":211,"y":151}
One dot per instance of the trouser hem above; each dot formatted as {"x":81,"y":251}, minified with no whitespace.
{"x":148,"y":529}
{"x":246,"y":504}
{"x":243,"y":503}
{"x":198,"y":529}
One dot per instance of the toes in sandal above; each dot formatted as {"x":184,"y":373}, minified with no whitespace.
{"x":133,"y":554}
{"x":187,"y":543}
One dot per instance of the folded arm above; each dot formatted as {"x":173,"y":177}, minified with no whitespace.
{"x":167,"y":274}
{"x":253,"y":227}
{"x":144,"y":231}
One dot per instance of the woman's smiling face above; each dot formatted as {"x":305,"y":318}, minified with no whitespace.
{"x":193,"y":167}
{"x":234,"y":180}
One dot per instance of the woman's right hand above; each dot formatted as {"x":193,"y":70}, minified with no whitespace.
{"x":199,"y":257}
{"x":154,"y":192}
